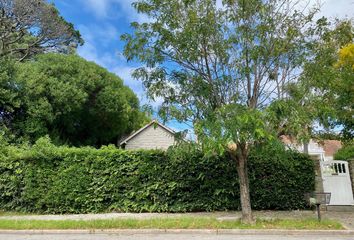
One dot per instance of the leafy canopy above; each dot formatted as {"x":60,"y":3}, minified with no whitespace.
{"x":327,"y":80}
{"x":221,"y":67}
{"x":70,"y":99}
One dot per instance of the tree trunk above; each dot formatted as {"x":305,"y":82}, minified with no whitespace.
{"x":306,"y":147}
{"x":241,"y":158}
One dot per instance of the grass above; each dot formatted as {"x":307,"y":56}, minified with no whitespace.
{"x":169,"y":223}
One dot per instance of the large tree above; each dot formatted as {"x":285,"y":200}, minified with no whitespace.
{"x":8,"y":97}
{"x":221,"y":66}
{"x":29,"y":27}
{"x":327,"y":82}
{"x":68,"y":98}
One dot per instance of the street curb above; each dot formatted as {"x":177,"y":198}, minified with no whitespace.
{"x":186,"y":231}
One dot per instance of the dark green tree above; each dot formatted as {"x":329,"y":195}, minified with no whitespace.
{"x":8,"y":95}
{"x":71,"y":100}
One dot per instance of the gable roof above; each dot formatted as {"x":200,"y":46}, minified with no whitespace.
{"x":124,"y":141}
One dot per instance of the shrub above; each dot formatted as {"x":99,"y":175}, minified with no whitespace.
{"x":50,"y":179}
{"x":345,"y":153}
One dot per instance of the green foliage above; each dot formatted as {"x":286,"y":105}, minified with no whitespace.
{"x":233,"y":123}
{"x":345,"y":153}
{"x":50,"y":179}
{"x":220,"y":67}
{"x":227,"y":60}
{"x":279,"y":178}
{"x":8,"y":93}
{"x":70,"y":99}
{"x":30,"y":27}
{"x":326,"y":83}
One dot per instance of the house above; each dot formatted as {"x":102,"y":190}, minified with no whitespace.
{"x":323,"y":150}
{"x":330,"y":148}
{"x":332,"y":176}
{"x":152,"y":136}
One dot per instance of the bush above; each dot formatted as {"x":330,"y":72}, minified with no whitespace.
{"x":50,"y":179}
{"x":345,"y":153}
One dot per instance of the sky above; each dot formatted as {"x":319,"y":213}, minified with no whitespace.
{"x":101,"y":22}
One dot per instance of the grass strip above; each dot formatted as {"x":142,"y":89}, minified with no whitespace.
{"x":169,"y":223}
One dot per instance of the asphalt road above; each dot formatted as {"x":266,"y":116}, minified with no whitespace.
{"x":179,"y":236}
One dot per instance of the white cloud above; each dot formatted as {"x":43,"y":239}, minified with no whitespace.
{"x":98,"y":35}
{"x":337,"y":8}
{"x":130,"y":12}
{"x":99,"y":7}
{"x":102,"y":33}
{"x":125,"y":72}
{"x":108,"y":9}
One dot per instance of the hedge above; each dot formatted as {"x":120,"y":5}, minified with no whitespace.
{"x":345,"y":153}
{"x":49,"y":179}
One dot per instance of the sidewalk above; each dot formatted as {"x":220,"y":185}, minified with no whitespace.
{"x":346,"y":218}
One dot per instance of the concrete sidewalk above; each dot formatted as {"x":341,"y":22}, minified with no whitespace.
{"x":346,"y":218}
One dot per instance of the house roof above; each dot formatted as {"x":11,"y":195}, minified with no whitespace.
{"x":134,"y":134}
{"x":287,"y":139}
{"x":331,"y":146}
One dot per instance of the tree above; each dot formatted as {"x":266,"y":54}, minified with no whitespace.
{"x":221,"y":67}
{"x":8,"y":97}
{"x":327,"y":80}
{"x":344,"y":89}
{"x":346,"y":57}
{"x":9,"y":100}
{"x":71,"y":100}
{"x":29,"y":27}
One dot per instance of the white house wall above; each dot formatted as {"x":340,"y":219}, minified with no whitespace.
{"x":151,"y":138}
{"x":314,"y":149}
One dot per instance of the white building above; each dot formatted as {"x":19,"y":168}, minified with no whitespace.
{"x":152,"y":136}
{"x":322,"y":150}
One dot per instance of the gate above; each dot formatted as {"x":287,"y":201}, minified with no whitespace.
{"x":336,"y":180}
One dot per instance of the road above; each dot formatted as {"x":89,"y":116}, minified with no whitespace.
{"x":163,"y":236}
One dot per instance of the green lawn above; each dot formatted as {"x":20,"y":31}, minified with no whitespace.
{"x":168,"y":223}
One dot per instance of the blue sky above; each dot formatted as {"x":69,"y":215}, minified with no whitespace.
{"x":101,"y":22}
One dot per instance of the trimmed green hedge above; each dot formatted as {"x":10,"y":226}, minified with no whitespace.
{"x":49,"y":179}
{"x":345,"y":153}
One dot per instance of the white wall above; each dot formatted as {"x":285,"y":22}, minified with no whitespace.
{"x":151,"y":138}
